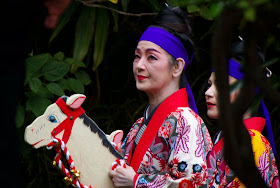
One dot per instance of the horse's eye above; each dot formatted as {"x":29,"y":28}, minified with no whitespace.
{"x":52,"y":119}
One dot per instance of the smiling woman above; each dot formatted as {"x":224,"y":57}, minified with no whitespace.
{"x":168,"y":146}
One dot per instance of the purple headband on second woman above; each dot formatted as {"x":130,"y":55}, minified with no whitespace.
{"x":174,"y":47}
{"x":234,"y":70}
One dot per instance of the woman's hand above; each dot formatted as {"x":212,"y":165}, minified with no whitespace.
{"x":122,"y":177}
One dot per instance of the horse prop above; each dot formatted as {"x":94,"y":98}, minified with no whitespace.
{"x":87,"y":149}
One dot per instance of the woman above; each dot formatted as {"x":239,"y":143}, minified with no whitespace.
{"x":219,"y":174}
{"x":168,"y":146}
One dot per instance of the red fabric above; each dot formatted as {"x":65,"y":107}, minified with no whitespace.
{"x":135,"y":179}
{"x":177,"y":99}
{"x":255,"y":123}
{"x":68,"y":123}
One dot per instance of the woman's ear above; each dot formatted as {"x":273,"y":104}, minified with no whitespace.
{"x":178,"y":67}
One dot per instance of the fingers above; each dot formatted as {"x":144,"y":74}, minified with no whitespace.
{"x":116,"y":176}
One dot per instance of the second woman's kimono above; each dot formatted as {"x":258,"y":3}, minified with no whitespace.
{"x":220,"y":175}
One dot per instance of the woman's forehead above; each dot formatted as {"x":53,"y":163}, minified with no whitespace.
{"x":147,"y":45}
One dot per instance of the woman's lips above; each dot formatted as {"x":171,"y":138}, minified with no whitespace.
{"x":140,"y":77}
{"x":210,"y":105}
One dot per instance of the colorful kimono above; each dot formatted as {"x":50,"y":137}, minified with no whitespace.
{"x":177,"y":155}
{"x":220,"y":175}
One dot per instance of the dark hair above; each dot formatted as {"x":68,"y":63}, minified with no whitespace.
{"x":176,"y":22}
{"x":238,"y":52}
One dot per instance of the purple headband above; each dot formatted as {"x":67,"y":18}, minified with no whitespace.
{"x":166,"y":41}
{"x":234,"y":70}
{"x":174,"y":47}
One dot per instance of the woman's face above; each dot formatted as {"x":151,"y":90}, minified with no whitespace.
{"x":211,"y":96}
{"x":151,"y":68}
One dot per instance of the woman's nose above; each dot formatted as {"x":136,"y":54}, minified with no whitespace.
{"x":208,"y":92}
{"x":141,"y":64}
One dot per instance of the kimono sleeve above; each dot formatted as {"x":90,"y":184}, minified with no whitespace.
{"x":187,"y":163}
{"x":264,"y":158}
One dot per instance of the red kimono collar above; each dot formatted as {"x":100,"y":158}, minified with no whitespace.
{"x":170,"y":104}
{"x":255,"y":123}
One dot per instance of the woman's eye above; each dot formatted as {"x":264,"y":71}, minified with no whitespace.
{"x":208,"y":85}
{"x":152,"y":57}
{"x":136,"y":56}
{"x":52,"y":119}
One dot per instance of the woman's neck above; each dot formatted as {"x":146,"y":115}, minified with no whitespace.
{"x":156,"y":98}
{"x":247,"y":115}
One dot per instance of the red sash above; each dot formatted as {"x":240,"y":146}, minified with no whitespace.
{"x":177,"y":99}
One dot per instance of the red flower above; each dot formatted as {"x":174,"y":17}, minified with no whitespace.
{"x":185,"y":183}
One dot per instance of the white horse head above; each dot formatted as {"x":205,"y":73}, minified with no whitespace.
{"x":39,"y":133}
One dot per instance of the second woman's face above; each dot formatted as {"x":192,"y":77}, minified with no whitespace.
{"x":211,"y":96}
{"x":151,"y":68}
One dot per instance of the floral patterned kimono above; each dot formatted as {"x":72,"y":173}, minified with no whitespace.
{"x":176,"y":156}
{"x":220,"y":175}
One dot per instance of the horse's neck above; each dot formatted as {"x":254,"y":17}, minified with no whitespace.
{"x":82,"y":139}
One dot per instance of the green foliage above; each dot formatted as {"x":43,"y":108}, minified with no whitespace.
{"x":100,"y":38}
{"x":84,"y":32}
{"x":48,"y":75}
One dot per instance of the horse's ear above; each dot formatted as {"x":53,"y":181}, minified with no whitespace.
{"x":75,"y":101}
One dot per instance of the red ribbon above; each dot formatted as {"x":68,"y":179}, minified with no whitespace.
{"x":68,"y":123}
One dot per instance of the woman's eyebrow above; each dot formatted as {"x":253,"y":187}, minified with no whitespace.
{"x":152,"y":49}
{"x":148,"y":50}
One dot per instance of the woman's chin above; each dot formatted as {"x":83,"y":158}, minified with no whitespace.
{"x":212,"y":115}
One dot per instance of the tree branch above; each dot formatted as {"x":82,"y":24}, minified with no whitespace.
{"x":237,"y":144}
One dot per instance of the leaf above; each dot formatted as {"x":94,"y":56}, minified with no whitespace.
{"x":59,"y":56}
{"x":37,"y":104}
{"x":250,"y":14}
{"x":124,"y":4}
{"x":34,"y":63}
{"x":64,"y":19}
{"x":100,"y":38}
{"x":35,"y":84}
{"x":116,"y":16}
{"x":84,"y":32}
{"x":55,"y":70}
{"x":44,"y":92}
{"x":20,"y":113}
{"x":64,"y":84}
{"x":83,"y":77}
{"x":76,"y":85}
{"x":271,"y":62}
{"x":75,"y":62}
{"x":205,"y":13}
{"x":55,"y":89}
{"x":193,"y":8}
{"x":243,"y":4}
{"x":114,"y":1}
{"x":216,"y":9}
